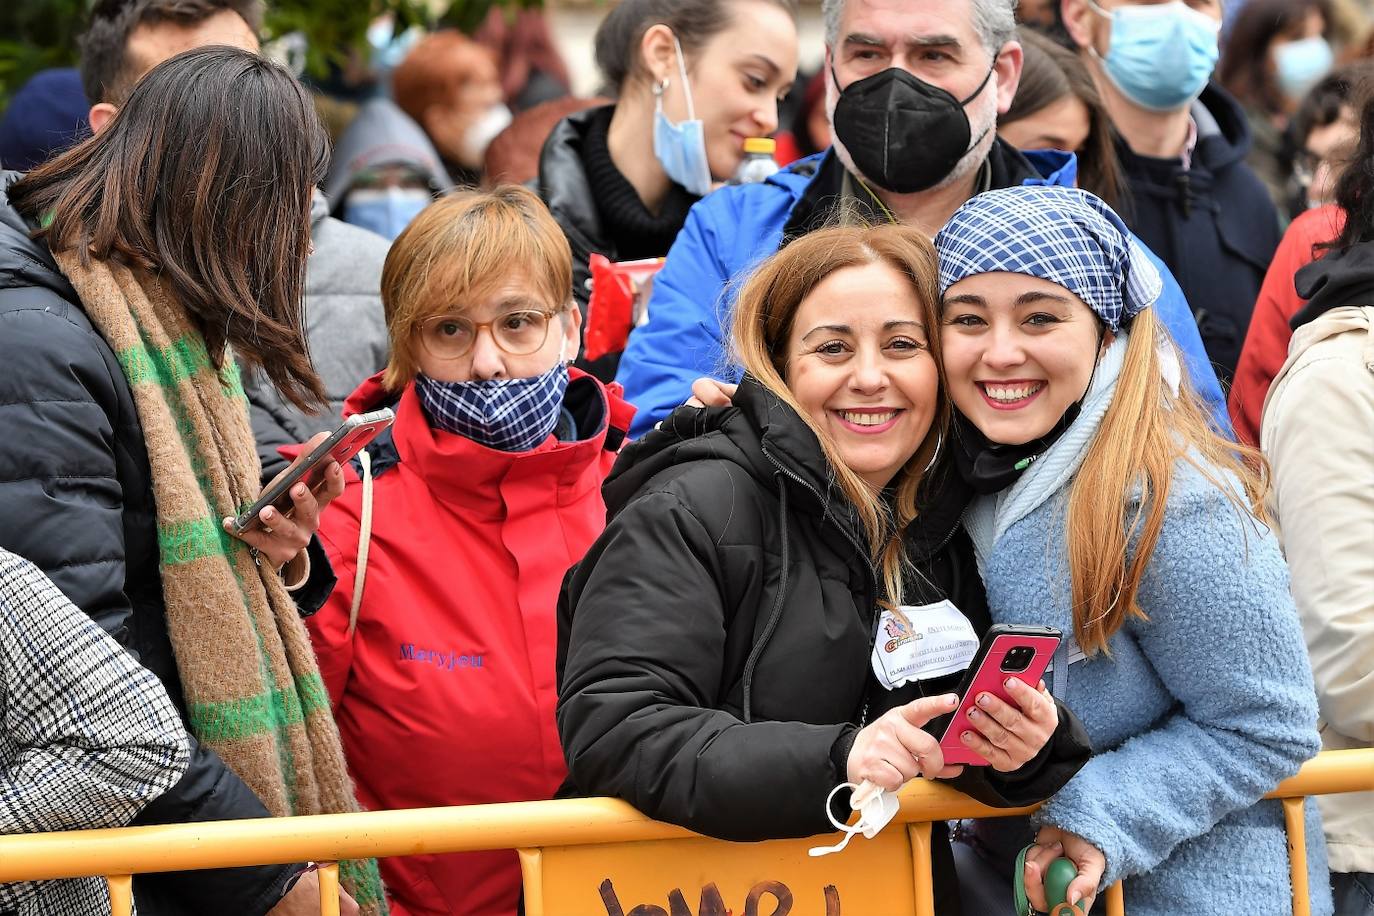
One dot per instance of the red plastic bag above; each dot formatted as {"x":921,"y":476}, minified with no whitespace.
{"x":620,"y":294}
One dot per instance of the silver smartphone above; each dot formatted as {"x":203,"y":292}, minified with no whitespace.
{"x":349,"y":439}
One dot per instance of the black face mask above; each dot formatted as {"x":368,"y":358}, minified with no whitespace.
{"x":902,"y":133}
{"x":991,"y":468}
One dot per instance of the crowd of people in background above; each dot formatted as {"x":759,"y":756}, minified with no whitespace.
{"x":1058,"y":313}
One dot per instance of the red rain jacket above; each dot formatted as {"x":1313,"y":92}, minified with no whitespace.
{"x":444,"y":693}
{"x":1266,"y":343}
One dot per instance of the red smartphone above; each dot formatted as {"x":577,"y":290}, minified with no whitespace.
{"x":349,"y":439}
{"x":1007,"y":650}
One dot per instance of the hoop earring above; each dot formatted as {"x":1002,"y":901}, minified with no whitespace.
{"x":935,"y":456}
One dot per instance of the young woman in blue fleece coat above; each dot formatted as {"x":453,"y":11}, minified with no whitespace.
{"x":1111,"y":511}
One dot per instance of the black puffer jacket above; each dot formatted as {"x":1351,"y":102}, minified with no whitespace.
{"x":76,"y":500}
{"x":714,"y":644}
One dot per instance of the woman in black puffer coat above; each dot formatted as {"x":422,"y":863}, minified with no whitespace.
{"x":715,"y":644}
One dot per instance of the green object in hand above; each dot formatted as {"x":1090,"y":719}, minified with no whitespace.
{"x":1058,"y":877}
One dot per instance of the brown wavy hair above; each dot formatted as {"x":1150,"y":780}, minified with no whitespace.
{"x":764,"y":313}
{"x":203,"y":178}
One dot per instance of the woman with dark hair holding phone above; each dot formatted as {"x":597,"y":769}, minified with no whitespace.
{"x":1109,"y":509}
{"x":693,"y":79}
{"x":134,"y":269}
{"x":758,"y":623}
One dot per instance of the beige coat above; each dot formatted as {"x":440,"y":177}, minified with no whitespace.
{"x":1318,"y":434}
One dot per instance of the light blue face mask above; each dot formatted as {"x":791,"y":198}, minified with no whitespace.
{"x":681,"y":148}
{"x":1302,"y":64}
{"x":385,"y":211}
{"x":1161,"y":55}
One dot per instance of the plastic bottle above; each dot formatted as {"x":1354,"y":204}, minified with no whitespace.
{"x":758,"y":161}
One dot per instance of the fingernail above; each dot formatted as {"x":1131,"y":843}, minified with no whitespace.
{"x":1074,"y":897}
{"x":1008,"y":682}
{"x":968,"y":737}
{"x":951,"y":700}
{"x":299,"y":491}
{"x":974,"y":714}
{"x":984,"y":699}
{"x":268,"y":514}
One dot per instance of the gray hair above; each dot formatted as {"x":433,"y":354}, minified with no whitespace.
{"x":993,"y":20}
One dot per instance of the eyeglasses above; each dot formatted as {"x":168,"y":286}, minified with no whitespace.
{"x":518,"y":333}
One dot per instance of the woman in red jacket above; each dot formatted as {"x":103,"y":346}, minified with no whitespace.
{"x":438,"y":645}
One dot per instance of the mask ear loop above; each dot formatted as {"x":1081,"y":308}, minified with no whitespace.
{"x":848,"y":831}
{"x":686,"y":86}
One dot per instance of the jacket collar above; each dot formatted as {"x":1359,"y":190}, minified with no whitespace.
{"x":816,"y":206}
{"x":25,"y":261}
{"x":463,"y":473}
{"x":1223,"y":139}
{"x":563,"y":185}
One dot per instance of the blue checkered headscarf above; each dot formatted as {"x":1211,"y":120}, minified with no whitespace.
{"x":1063,"y":235}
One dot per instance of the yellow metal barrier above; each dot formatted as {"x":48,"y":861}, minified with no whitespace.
{"x":600,"y":857}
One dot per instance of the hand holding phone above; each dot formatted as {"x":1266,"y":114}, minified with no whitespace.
{"x":351,"y":437}
{"x":279,"y":525}
{"x":1004,"y":716}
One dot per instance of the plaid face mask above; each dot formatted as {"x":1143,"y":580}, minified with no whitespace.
{"x":510,"y":415}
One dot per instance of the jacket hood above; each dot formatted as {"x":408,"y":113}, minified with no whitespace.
{"x":25,"y":261}
{"x":1332,"y":323}
{"x":1339,"y":279}
{"x":765,"y":436}
{"x":382,"y":134}
{"x":1223,"y":133}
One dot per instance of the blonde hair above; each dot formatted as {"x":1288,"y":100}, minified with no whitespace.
{"x":764,"y":314}
{"x":1144,"y":433}
{"x":462,"y":247}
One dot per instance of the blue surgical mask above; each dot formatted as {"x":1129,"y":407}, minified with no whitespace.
{"x":681,"y":148}
{"x":1302,"y":64}
{"x":385,"y":211}
{"x":510,"y":415}
{"x":1161,"y":55}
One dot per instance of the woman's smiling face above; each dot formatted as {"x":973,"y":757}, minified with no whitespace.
{"x":859,"y":365}
{"x":1018,"y":352}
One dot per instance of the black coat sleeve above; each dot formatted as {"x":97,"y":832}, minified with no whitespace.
{"x":642,"y":632}
{"x":62,"y":501}
{"x":63,"y":508}
{"x":1039,"y":778}
{"x":209,"y":791}
{"x":275,"y":423}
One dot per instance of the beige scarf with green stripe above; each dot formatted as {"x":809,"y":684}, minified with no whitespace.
{"x":253,"y":691}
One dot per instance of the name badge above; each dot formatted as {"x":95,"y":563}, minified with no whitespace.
{"x":939,"y":641}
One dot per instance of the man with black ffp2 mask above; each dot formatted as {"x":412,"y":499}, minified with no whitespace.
{"x":914,"y":91}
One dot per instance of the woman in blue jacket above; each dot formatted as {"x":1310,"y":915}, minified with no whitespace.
{"x":1110,"y":510}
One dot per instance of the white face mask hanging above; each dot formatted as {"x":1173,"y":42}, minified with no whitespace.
{"x":877,"y":806}
{"x":681,"y":148}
